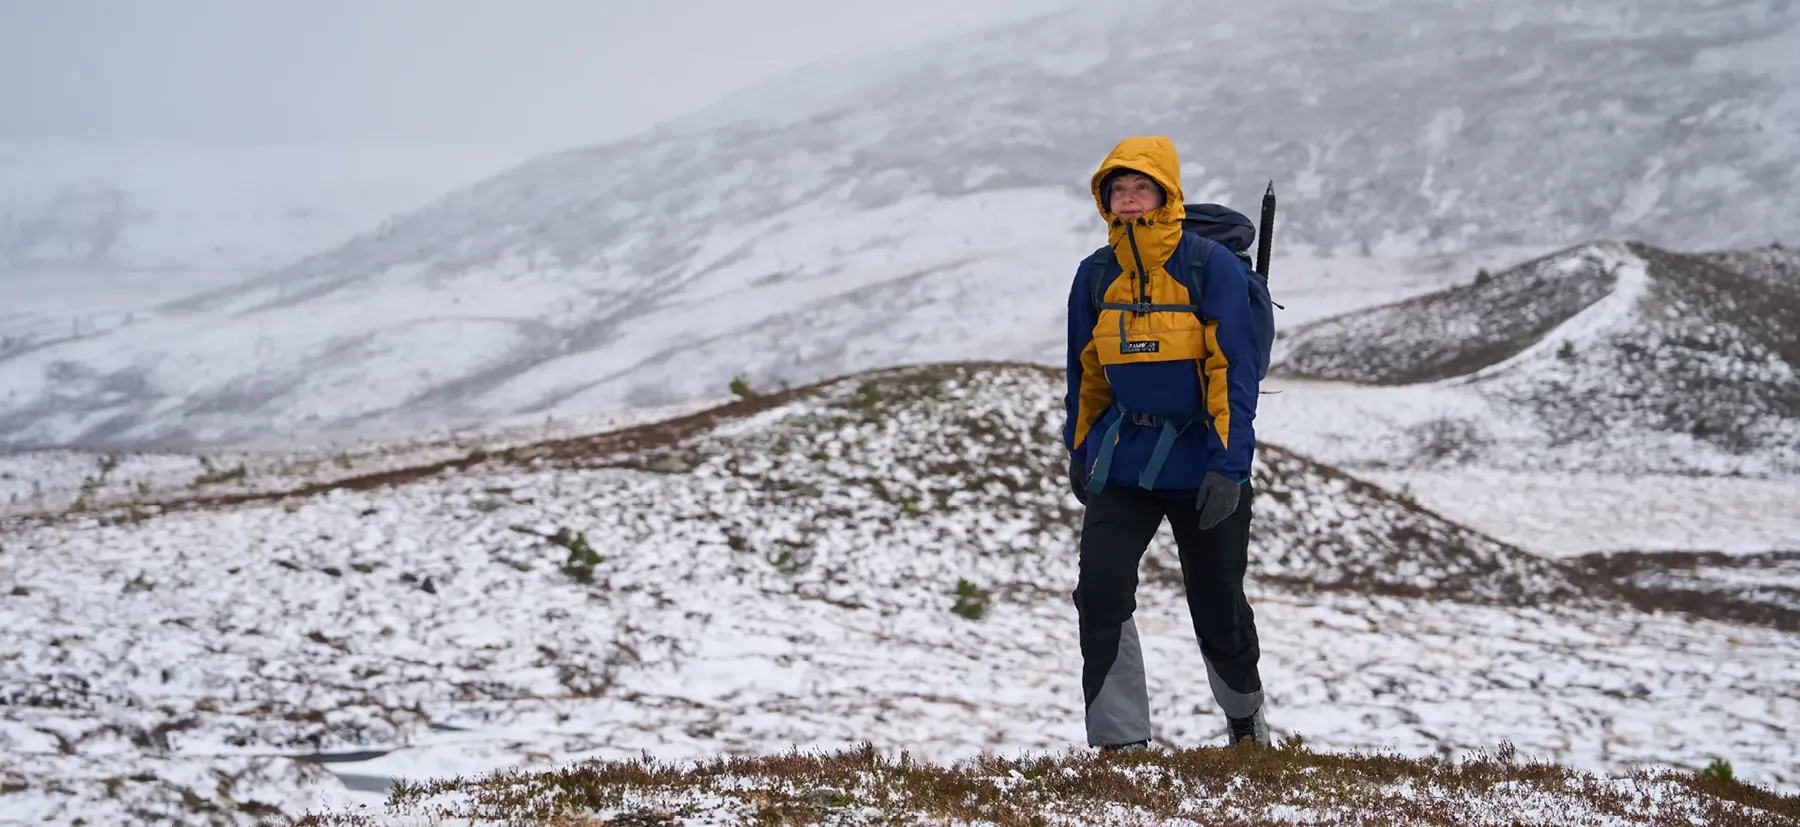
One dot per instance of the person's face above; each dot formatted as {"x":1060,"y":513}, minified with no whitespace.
{"x":1134,"y":194}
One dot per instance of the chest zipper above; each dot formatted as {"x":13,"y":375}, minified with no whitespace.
{"x":1143,"y":278}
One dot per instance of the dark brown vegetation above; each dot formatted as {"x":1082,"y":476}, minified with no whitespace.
{"x":1213,"y":785}
{"x":1672,"y":581}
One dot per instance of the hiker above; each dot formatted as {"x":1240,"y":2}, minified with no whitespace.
{"x":1160,"y":407}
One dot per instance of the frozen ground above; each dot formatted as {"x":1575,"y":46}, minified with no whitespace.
{"x":1181,"y":788}
{"x":1574,"y":513}
{"x":1375,"y":432}
{"x":787,"y":573}
{"x":53,"y":482}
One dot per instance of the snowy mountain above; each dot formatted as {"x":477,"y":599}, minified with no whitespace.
{"x":1604,"y":357}
{"x":95,"y":237}
{"x":883,"y":558}
{"x":928,"y":205}
{"x":79,"y":209}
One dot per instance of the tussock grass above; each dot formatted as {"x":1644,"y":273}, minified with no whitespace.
{"x":1244,"y":785}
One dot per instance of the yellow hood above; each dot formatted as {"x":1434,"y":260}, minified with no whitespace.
{"x":1158,"y":231}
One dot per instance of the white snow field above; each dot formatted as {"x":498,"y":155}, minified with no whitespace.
{"x":883,"y":559}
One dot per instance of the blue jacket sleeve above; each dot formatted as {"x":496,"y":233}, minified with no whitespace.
{"x":1081,"y":331}
{"x":1229,"y":372}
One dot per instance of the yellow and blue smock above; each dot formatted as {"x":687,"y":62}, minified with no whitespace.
{"x":1159,"y":394}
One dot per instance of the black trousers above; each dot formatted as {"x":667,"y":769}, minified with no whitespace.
{"x":1118,"y":528}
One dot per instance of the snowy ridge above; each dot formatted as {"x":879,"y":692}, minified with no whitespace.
{"x":883,"y":558}
{"x":1679,"y":366}
{"x":1695,"y":361}
{"x":803,"y":231}
{"x":1461,"y":329}
{"x":1594,"y":325}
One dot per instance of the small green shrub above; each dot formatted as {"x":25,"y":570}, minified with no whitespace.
{"x":214,"y":476}
{"x":785,"y":562}
{"x":971,"y":601}
{"x":740,"y":387}
{"x":582,"y":557}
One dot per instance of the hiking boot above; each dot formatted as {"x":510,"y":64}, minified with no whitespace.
{"x":1252,"y":728}
{"x":1134,"y":746}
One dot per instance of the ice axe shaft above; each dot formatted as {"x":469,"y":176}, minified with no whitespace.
{"x":1267,"y":234}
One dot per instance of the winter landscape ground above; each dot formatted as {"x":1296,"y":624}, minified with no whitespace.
{"x":734,"y":503}
{"x":882,"y":559}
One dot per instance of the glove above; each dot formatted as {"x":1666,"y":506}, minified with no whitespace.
{"x":1078,"y":478}
{"x":1217,"y":500}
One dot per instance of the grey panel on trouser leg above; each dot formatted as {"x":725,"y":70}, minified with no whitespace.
{"x":1236,"y":704}
{"x":1120,"y":713}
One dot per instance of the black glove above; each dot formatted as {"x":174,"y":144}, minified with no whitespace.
{"x":1078,"y":479}
{"x":1218,"y":499}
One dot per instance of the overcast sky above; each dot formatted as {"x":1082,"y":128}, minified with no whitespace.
{"x":522,"y":75}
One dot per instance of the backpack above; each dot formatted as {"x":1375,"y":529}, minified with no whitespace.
{"x":1205,"y":226}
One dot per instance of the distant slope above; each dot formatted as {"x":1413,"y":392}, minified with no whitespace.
{"x":120,"y":209}
{"x":1774,"y":264}
{"x":1596,"y":349}
{"x":883,"y":558}
{"x":1703,"y":352}
{"x":1454,"y":332}
{"x":1757,"y":290}
{"x":836,"y":220}
{"x":1749,"y":588}
{"x":1325,"y":530}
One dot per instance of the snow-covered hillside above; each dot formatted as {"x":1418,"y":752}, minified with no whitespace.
{"x":1774,"y":265}
{"x":1452,"y":332}
{"x":929,"y":205}
{"x":94,"y":238}
{"x":885,"y":558}
{"x":143,"y":212}
{"x":1607,"y":357}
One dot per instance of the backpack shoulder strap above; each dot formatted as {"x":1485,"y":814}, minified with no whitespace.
{"x":1096,"y":270}
{"x":1196,"y":249}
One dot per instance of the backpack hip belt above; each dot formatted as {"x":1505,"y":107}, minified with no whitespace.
{"x":1172,"y":427}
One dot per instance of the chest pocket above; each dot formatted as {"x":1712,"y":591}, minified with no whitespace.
{"x":1145,"y":318}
